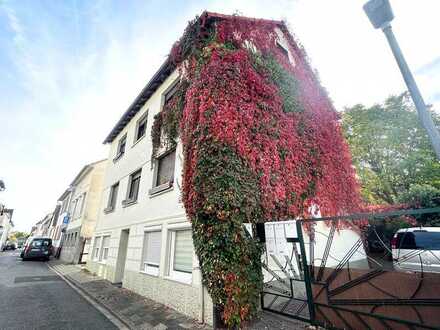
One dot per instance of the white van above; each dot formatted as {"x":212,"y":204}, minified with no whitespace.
{"x":417,"y":249}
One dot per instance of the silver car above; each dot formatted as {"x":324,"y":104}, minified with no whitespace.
{"x":417,"y":249}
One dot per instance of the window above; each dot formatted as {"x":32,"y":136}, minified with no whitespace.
{"x":141,"y":127}
{"x":73,"y":209}
{"x":76,"y":237}
{"x":112,"y":198}
{"x":283,"y":50}
{"x":121,"y":147}
{"x":181,"y":257}
{"x":64,"y":205}
{"x":418,"y":240}
{"x":104,"y":249}
{"x":133,"y":188}
{"x":96,"y":247}
{"x":164,"y":175}
{"x":83,"y":201}
{"x":165,"y":168}
{"x":151,"y":253}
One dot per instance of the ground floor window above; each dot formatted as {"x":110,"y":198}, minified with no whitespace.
{"x":104,"y":248}
{"x":181,"y":256}
{"x":151,"y":253}
{"x":96,"y":248}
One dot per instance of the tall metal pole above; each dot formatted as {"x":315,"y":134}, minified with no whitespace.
{"x":422,"y":110}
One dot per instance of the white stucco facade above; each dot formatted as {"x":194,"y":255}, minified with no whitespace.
{"x":162,"y":213}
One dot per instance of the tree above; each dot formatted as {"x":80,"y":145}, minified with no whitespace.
{"x":423,"y":196}
{"x":390,"y":149}
{"x":17,"y":234}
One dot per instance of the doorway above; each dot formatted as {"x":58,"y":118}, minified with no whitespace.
{"x":122,"y":255}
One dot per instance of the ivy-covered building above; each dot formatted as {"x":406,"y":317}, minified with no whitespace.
{"x":233,"y":128}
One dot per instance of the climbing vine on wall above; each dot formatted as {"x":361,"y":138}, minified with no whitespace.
{"x":261,"y":142}
{"x":165,"y":130}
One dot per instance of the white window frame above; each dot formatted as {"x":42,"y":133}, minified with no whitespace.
{"x":96,"y":248}
{"x":103,"y":248}
{"x":176,"y":275}
{"x":146,"y":267}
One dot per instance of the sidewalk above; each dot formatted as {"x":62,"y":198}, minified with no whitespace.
{"x":138,"y":312}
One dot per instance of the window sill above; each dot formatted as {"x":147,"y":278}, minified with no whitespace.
{"x":163,"y":188}
{"x":138,"y":140}
{"x":129,"y":202}
{"x":149,"y":274}
{"x":178,"y":280}
{"x":118,"y":157}
{"x":109,"y":210}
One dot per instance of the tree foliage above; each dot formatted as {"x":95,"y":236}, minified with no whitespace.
{"x":17,"y":234}
{"x":390,"y":149}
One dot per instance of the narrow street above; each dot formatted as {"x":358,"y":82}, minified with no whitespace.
{"x":34,"y":297}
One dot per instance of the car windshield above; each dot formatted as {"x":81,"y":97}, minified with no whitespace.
{"x":36,"y":243}
{"x":41,"y":242}
{"x":419,"y":240}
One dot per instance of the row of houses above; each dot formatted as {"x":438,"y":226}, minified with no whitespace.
{"x":123,"y":216}
{"x":73,"y":220}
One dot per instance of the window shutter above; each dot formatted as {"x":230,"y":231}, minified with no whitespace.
{"x":183,"y":252}
{"x":153,"y":244}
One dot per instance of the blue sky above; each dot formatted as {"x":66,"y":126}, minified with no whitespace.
{"x":69,"y":69}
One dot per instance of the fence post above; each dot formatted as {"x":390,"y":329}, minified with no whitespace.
{"x":307,"y":278}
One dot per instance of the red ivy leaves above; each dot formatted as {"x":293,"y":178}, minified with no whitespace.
{"x":296,"y":158}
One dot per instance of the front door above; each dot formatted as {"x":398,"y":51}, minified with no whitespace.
{"x":122,"y":255}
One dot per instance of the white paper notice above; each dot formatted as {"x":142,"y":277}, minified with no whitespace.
{"x":290,"y":227}
{"x":280,"y":237}
{"x":270,"y":238}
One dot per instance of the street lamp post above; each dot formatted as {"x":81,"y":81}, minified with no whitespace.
{"x":380,"y":14}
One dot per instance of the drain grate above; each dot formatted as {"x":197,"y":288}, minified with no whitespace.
{"x":27,"y":279}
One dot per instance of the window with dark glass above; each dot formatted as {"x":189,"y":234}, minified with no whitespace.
{"x":283,"y":50}
{"x":112,"y":197}
{"x":133,"y":188}
{"x":165,"y":168}
{"x":418,"y":240}
{"x":141,"y":127}
{"x":121,"y":147}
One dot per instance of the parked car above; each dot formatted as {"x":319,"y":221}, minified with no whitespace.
{"x":10,"y":245}
{"x":417,"y":249}
{"x":37,"y":248}
{"x":20,"y":242}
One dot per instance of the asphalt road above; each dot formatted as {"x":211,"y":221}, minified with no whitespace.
{"x":34,"y":297}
